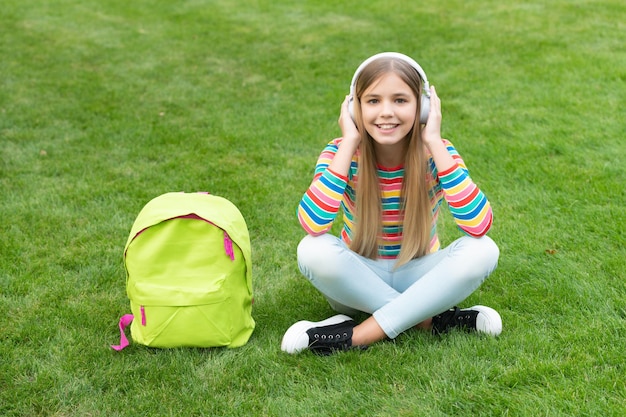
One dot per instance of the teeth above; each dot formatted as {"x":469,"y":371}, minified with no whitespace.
{"x":387,"y":126}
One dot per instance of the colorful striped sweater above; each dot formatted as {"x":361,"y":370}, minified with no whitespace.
{"x":329,"y":191}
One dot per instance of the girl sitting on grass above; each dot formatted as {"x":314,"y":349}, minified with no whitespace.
{"x":390,"y":172}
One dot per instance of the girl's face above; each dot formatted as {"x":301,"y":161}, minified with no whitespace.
{"x":389,"y":108}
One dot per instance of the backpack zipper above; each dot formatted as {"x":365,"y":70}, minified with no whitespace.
{"x":143,"y":315}
{"x":228,"y":246}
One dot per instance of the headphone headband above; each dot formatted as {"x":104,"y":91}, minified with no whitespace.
{"x":425,"y":99}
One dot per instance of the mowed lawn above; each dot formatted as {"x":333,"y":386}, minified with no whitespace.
{"x":107,"y":104}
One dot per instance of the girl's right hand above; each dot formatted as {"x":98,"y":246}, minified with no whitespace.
{"x":349,"y":131}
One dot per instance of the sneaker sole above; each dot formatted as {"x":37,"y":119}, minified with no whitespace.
{"x":296,"y":340}
{"x":488,"y":320}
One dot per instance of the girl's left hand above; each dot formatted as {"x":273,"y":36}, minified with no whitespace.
{"x":432,"y":130}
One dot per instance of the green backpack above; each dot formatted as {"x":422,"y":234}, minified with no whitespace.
{"x":188,"y":274}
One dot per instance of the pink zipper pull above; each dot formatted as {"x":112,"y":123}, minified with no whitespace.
{"x":228,"y":246}
{"x":143,"y":315}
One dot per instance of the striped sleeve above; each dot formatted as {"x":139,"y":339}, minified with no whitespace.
{"x":468,"y":205}
{"x":320,"y":204}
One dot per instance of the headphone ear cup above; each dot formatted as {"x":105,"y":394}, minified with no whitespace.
{"x":425,"y":109}
{"x":351,"y":108}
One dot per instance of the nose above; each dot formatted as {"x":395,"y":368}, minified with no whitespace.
{"x":387,"y":109}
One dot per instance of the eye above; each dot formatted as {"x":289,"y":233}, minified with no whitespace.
{"x":401,"y":100}
{"x":372,"y":101}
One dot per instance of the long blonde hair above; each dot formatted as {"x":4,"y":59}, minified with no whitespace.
{"x":415,"y":210}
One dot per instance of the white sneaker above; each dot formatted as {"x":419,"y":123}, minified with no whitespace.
{"x":322,"y":337}
{"x":482,"y":319}
{"x":488,"y":320}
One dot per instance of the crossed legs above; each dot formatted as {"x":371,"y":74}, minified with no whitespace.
{"x":396,"y":298}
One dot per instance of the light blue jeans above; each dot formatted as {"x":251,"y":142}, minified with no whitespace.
{"x":397,"y":298}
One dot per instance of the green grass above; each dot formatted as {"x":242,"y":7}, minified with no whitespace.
{"x":107,"y":104}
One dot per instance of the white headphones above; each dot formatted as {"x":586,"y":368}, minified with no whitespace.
{"x":425,"y":102}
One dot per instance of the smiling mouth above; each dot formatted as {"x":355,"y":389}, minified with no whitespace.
{"x":387,"y":126}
